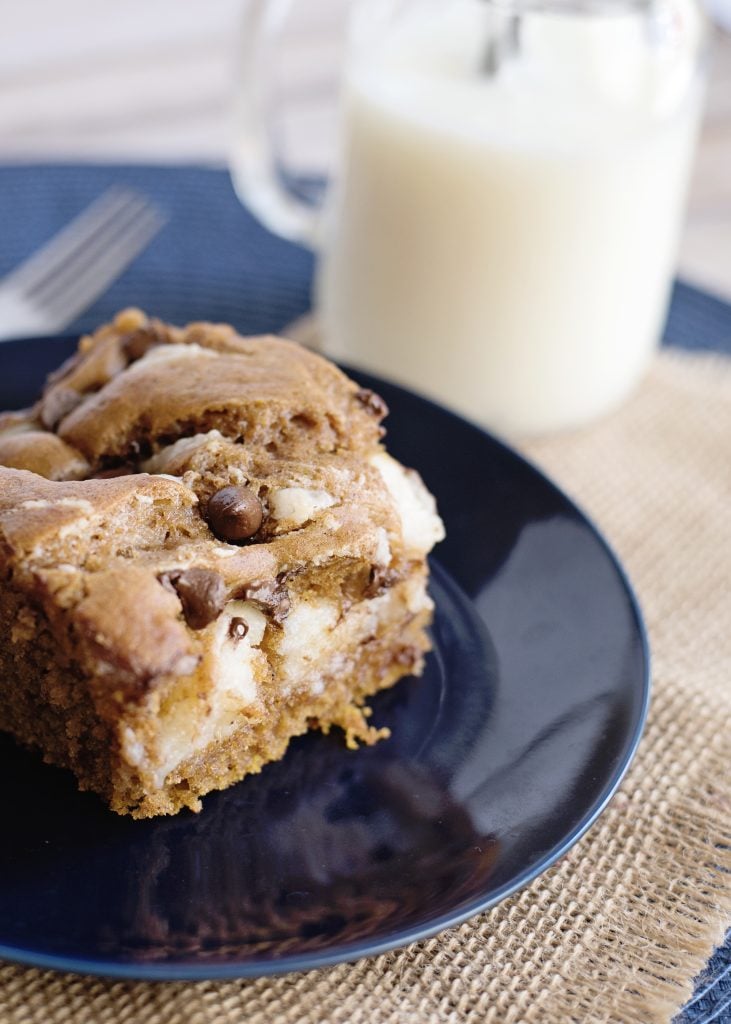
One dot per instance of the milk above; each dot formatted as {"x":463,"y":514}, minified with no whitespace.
{"x":506,"y":244}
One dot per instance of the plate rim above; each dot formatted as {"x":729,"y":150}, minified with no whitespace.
{"x":171,"y":971}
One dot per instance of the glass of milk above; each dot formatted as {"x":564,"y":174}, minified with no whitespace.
{"x":506,"y":187}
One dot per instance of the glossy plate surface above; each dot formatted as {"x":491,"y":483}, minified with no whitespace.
{"x":501,"y":756}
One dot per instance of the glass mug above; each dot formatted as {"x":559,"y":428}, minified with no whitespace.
{"x":506,"y":187}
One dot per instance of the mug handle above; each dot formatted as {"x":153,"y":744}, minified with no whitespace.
{"x":284,"y":137}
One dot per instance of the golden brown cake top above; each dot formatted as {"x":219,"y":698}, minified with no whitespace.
{"x":138,"y":382}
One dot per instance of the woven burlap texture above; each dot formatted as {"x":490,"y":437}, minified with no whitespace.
{"x":617,"y":930}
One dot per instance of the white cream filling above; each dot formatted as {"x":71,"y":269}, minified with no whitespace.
{"x":421,"y":527}
{"x":232,"y":663}
{"x":78,"y":503}
{"x":133,"y":747}
{"x":314,"y":635}
{"x":233,"y":656}
{"x":306,"y":636}
{"x":310,"y":639}
{"x":223,"y":552}
{"x":170,"y":354}
{"x":313,"y":639}
{"x":382,"y":554}
{"x":295,"y":506}
{"x":183,"y":448}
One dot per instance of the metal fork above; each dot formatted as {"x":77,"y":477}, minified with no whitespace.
{"x":46,"y":292}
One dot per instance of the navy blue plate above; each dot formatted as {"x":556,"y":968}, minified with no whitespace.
{"x":501,"y":757}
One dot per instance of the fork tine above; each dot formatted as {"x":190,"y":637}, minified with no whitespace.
{"x":95,"y":246}
{"x":100,"y":274}
{"x":33,"y":271}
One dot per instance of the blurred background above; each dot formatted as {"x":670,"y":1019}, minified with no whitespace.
{"x":150,"y":81}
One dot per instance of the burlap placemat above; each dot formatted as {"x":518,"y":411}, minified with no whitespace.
{"x":618,"y":929}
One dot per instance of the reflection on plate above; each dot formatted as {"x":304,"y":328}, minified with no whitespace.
{"x":500,"y":757}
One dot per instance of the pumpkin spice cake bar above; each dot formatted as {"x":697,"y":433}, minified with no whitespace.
{"x":205,"y":550}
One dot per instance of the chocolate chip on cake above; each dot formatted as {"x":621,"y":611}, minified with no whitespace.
{"x":272,"y":597}
{"x":372,"y":402}
{"x":234,"y":514}
{"x":139,"y":342}
{"x":238,"y":628}
{"x":202,"y":593}
{"x":380,"y":580}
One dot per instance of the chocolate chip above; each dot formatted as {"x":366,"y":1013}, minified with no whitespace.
{"x":57,"y":403}
{"x":138,"y":343}
{"x":272,"y":596}
{"x":372,"y":402}
{"x":238,"y":628}
{"x":202,"y":594}
{"x":137,"y":450}
{"x":167,"y":579}
{"x":234,"y":513}
{"x":380,"y":579}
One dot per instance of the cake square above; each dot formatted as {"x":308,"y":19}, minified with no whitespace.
{"x":206,"y":550}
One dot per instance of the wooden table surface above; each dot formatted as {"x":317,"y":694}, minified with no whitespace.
{"x":150,"y":81}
